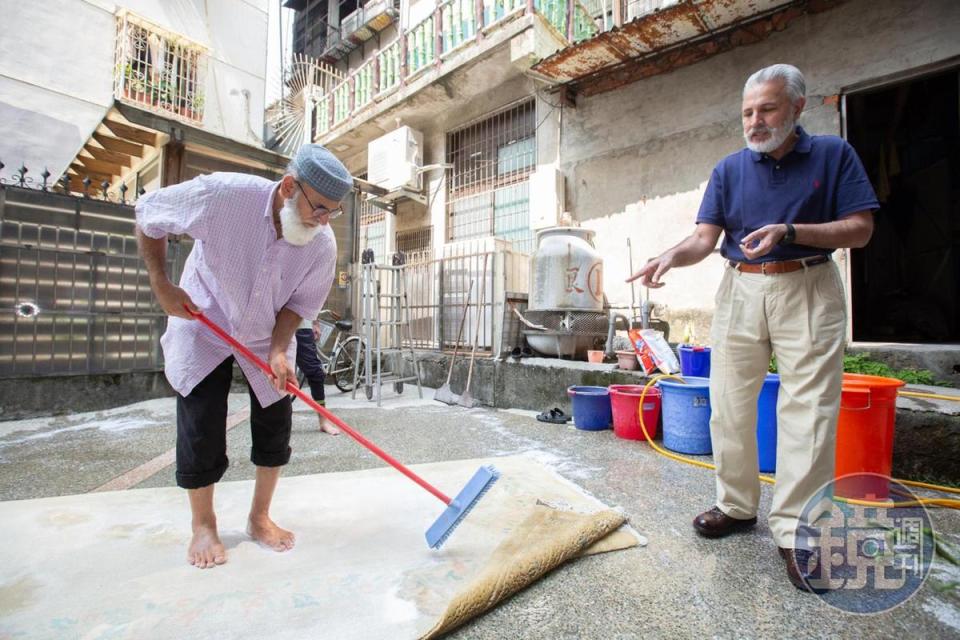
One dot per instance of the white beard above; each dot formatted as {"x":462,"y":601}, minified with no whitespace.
{"x":292,"y":227}
{"x":778,"y":135}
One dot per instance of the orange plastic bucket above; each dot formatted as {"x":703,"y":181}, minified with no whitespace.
{"x":868,"y":411}
{"x":625,"y":404}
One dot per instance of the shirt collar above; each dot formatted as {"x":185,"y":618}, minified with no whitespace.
{"x":803,"y":142}
{"x":802,"y":145}
{"x":268,"y":212}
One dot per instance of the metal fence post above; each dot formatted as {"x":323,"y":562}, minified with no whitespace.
{"x":440,"y":291}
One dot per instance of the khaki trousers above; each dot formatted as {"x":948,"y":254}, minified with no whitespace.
{"x":801,"y":318}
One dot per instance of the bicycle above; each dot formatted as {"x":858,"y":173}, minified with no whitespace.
{"x":340,"y":362}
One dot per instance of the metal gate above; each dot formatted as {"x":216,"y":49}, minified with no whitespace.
{"x":75,"y":297}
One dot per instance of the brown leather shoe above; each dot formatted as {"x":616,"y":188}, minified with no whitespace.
{"x":716,"y":524}
{"x":802,"y":567}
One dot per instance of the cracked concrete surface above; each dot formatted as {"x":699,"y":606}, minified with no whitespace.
{"x":679,"y":585}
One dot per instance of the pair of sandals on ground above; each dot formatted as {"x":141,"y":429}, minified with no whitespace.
{"x":554,"y":416}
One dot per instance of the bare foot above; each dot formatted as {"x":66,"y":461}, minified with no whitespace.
{"x":206,"y":551}
{"x":328,"y":427}
{"x":266,"y":532}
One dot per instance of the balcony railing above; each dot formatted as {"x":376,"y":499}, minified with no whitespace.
{"x":159,"y":70}
{"x":458,"y":20}
{"x":359,"y":27}
{"x":388,"y":62}
{"x":453,"y":25}
{"x":420,"y":46}
{"x":496,"y":10}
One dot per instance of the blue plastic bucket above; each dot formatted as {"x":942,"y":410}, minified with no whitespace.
{"x":591,"y":408}
{"x":686,"y":415}
{"x":694,"y":361}
{"x":767,"y":423}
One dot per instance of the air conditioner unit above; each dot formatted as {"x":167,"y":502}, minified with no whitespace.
{"x":374,"y":9}
{"x":546,"y":196}
{"x":394,"y":160}
{"x":351,"y":23}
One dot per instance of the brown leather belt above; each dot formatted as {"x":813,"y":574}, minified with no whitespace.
{"x":784,"y":266}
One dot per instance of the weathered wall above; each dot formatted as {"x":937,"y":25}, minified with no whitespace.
{"x":637,"y":160}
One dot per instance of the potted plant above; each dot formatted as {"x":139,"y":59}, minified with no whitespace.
{"x":134,"y":83}
{"x":196,"y":106}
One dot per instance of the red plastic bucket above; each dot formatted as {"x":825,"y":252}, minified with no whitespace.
{"x":868,"y":410}
{"x":625,"y":402}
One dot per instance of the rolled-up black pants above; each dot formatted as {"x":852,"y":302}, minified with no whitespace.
{"x":202,"y":430}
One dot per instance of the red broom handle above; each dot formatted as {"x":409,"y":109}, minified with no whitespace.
{"x":295,"y":390}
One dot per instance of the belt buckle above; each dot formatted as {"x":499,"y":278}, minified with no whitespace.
{"x":763,"y":268}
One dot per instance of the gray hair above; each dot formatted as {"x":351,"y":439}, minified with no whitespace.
{"x":793,"y":80}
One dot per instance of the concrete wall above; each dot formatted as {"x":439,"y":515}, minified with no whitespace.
{"x":52,"y":80}
{"x":57,"y":60}
{"x":637,"y":159}
{"x":55,"y":395}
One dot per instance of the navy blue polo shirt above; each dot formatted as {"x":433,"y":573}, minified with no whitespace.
{"x":820,"y":180}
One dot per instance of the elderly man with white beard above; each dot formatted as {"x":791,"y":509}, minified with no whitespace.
{"x":263,"y":259}
{"x":783,"y":204}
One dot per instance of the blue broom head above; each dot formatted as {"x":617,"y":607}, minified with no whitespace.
{"x":458,"y":509}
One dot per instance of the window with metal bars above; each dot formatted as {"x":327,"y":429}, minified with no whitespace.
{"x":416,"y":244}
{"x":488,"y":190}
{"x":310,"y":28}
{"x":372,"y":226}
{"x":158,"y":70}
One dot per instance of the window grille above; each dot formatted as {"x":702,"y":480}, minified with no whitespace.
{"x":488,"y":190}
{"x":159,"y":70}
{"x":416,"y":244}
{"x":372,"y":226}
{"x":310,"y":29}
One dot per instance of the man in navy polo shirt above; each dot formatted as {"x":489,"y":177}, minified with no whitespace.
{"x":783,"y":204}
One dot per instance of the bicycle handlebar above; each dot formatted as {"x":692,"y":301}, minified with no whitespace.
{"x":331,"y":312}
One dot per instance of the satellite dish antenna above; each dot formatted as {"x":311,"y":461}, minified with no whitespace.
{"x":306,"y":82}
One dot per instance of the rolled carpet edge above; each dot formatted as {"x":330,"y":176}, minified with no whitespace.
{"x":544,"y":540}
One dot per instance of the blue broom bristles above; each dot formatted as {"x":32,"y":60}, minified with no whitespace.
{"x":458,"y":509}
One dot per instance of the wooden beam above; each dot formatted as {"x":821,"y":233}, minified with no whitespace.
{"x":76,"y":183}
{"x":97,"y":178}
{"x":105,"y":155}
{"x":200,"y":138}
{"x":120,"y":146}
{"x":106,"y":168}
{"x":132,"y":134}
{"x":172,"y":170}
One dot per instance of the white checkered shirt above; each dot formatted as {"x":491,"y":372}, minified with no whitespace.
{"x":238,"y":273}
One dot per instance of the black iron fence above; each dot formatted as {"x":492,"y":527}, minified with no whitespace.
{"x":68,"y":184}
{"x":75,"y":297}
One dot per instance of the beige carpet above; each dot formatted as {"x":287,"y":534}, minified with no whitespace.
{"x":113,"y":564}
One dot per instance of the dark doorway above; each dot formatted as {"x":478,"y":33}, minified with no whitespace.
{"x":906,"y":283}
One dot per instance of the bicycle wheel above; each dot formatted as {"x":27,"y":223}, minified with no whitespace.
{"x":344,"y":361}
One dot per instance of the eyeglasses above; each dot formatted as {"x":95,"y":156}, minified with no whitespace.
{"x":321,"y":210}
